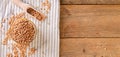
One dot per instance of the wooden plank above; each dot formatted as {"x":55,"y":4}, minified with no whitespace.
{"x":90,"y":47}
{"x":90,"y":2}
{"x":90,"y":21}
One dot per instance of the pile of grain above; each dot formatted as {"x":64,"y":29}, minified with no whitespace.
{"x":22,"y":32}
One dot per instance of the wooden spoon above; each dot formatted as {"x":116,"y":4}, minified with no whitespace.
{"x":29,"y":9}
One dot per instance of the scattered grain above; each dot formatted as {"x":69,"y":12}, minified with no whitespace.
{"x":3,"y":20}
{"x":9,"y":55}
{"x":1,"y":25}
{"x":48,"y":5}
{"x":32,"y":51}
{"x":5,"y":41}
{"x":15,"y":51}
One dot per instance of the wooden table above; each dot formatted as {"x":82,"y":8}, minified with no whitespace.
{"x":90,"y":28}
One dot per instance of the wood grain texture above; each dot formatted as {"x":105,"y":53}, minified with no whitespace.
{"x":90,"y":21}
{"x":90,"y":47}
{"x":107,"y":2}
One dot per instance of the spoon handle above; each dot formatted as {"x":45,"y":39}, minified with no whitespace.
{"x":21,"y":4}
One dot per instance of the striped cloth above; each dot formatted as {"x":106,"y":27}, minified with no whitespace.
{"x":48,"y":37}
